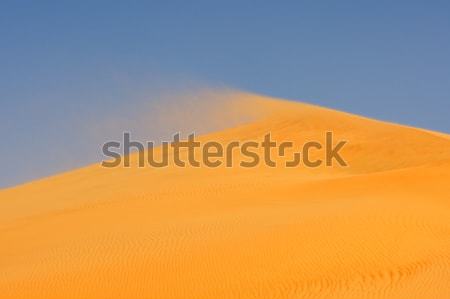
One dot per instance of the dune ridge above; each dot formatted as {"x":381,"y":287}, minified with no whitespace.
{"x":379,"y":228}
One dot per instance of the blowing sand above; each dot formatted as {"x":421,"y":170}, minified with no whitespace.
{"x":379,"y":228}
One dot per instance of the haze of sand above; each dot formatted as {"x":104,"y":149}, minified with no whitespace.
{"x":379,"y":228}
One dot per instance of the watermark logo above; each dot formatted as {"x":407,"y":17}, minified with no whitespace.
{"x":212,"y":154}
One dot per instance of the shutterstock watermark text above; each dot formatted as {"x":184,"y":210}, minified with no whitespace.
{"x":212,"y":153}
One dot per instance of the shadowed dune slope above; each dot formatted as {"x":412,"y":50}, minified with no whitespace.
{"x":378,"y":228}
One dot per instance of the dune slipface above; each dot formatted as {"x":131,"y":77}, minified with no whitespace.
{"x":379,"y":228}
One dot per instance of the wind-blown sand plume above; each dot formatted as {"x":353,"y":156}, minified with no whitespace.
{"x":379,"y":228}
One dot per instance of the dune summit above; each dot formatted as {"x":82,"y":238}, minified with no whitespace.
{"x":378,"y":228}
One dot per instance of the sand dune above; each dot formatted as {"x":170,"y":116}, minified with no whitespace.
{"x":379,"y":228}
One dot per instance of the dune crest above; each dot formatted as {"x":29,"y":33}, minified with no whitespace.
{"x":379,"y":228}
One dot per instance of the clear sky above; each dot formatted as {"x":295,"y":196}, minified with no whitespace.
{"x":62,"y":61}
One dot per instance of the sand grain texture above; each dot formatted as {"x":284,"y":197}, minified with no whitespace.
{"x":379,"y":228}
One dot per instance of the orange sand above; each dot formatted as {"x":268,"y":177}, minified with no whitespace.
{"x":379,"y":228}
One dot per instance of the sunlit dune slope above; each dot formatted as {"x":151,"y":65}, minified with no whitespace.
{"x":378,"y":228}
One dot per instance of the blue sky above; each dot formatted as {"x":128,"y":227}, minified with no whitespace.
{"x":62,"y":61}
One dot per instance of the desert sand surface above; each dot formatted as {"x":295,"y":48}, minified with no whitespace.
{"x":379,"y":228}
